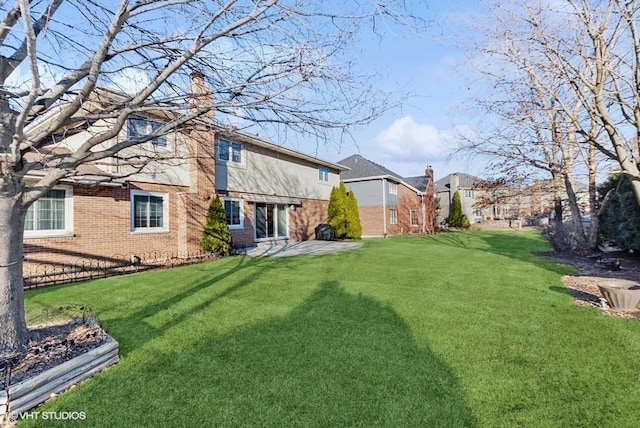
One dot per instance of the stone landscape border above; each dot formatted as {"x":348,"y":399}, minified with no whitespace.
{"x":26,"y":395}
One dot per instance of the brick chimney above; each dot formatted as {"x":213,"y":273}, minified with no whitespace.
{"x":201,"y":141}
{"x":200,"y":96}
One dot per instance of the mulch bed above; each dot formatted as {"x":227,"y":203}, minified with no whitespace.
{"x":49,"y":346}
{"x":594,"y":269}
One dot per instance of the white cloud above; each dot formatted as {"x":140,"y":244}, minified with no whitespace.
{"x":407,"y":140}
{"x":130,"y":80}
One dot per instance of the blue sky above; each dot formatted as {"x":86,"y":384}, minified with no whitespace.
{"x":431,"y":66}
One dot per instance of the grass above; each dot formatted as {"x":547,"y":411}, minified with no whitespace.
{"x":462,"y":329}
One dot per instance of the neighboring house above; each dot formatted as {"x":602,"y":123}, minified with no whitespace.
{"x":269,"y":193}
{"x":389,"y":204}
{"x":475,"y":199}
{"x":491,"y":201}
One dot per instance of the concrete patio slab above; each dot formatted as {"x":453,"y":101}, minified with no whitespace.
{"x":300,"y":248}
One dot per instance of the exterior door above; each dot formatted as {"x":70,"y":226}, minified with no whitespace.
{"x":271,"y":221}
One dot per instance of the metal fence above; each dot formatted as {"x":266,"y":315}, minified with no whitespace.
{"x":84,"y":269}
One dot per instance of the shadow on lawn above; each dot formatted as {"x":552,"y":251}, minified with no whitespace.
{"x":520,"y":246}
{"x":335,"y":360}
{"x":143,"y":332}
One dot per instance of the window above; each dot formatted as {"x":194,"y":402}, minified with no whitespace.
{"x":323,"y":173}
{"x":233,"y":209}
{"x":138,"y":128}
{"x":149,"y":212}
{"x":52,"y":214}
{"x":413,"y":217}
{"x":393,"y":188}
{"x":393,"y":216}
{"x":468,"y":193}
{"x":228,"y":151}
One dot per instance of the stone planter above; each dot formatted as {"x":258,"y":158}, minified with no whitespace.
{"x":29,"y":393}
{"x":621,"y":295}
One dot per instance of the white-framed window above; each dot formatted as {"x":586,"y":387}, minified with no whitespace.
{"x":413,"y":217}
{"x":469,"y":193}
{"x":323,"y":174}
{"x":393,"y":216}
{"x":139,"y":128}
{"x":50,"y":215}
{"x":229,"y":151}
{"x":149,"y":212}
{"x":233,"y":208}
{"x":393,"y":188}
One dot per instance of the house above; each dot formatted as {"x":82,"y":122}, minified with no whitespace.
{"x":271,"y":192}
{"x":158,"y":209}
{"x":389,"y":204}
{"x":471,"y":196}
{"x":498,"y":201}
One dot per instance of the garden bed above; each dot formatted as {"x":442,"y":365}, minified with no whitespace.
{"x":58,"y":356}
{"x":591,"y":271}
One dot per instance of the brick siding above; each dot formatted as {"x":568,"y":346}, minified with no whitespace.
{"x":102,"y":228}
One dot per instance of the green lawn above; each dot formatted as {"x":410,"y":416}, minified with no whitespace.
{"x":461,"y":329}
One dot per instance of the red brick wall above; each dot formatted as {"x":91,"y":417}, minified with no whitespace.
{"x":304,"y":219}
{"x":407,"y":200}
{"x":371,"y":217}
{"x":102,"y":228}
{"x":371,"y":220}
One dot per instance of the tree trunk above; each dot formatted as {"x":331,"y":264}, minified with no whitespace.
{"x":581,"y":242}
{"x":13,"y":327}
{"x":557,"y":197}
{"x":593,"y":198}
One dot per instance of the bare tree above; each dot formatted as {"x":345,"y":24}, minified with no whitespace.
{"x":594,"y":47}
{"x":547,"y":120}
{"x":266,"y":62}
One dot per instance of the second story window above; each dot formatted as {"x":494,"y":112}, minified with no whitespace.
{"x":323,"y":173}
{"x":228,"y":151}
{"x":139,"y":128}
{"x":393,"y":188}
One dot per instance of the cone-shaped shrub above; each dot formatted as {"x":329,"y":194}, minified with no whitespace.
{"x":216,"y":236}
{"x":456,"y":217}
{"x":338,"y":210}
{"x":343,"y":213}
{"x":354,"y":228}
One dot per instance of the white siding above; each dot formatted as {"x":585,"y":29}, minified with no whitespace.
{"x":171,"y":166}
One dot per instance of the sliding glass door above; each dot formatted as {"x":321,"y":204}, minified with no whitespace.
{"x":271,"y":221}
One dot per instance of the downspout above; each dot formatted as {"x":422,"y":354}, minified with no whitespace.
{"x":384,"y":210}
{"x":424,"y":213}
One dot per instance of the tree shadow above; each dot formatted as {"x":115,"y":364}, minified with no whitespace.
{"x":145,"y":332}
{"x":335,"y":360}
{"x":133,"y":330}
{"x":515,"y":245}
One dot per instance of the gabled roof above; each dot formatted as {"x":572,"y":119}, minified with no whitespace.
{"x":465,"y":181}
{"x":420,"y":182}
{"x":360,"y":167}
